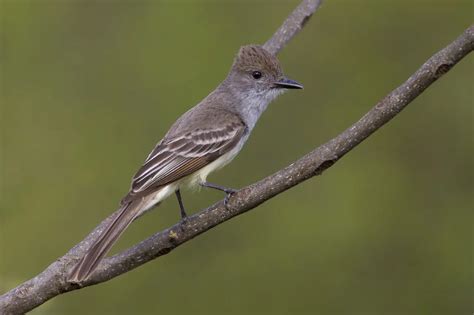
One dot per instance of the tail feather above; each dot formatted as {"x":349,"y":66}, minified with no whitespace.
{"x":107,"y":239}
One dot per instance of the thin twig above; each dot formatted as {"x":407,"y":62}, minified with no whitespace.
{"x":292,"y":25}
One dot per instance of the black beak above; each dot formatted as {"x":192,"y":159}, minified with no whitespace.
{"x":288,"y":84}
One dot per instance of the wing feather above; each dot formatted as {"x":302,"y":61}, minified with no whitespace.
{"x":181,"y":156}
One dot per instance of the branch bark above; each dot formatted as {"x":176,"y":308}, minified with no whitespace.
{"x":52,"y":281}
{"x":292,"y":25}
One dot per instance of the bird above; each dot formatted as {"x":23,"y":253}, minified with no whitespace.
{"x":204,"y":139}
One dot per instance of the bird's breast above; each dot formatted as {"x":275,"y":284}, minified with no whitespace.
{"x":201,"y":175}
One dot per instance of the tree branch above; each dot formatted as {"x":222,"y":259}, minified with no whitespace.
{"x":52,"y":281}
{"x":292,"y":25}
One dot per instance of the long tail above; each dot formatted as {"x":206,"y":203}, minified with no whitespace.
{"x":90,"y":261}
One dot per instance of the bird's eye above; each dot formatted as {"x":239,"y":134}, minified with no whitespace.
{"x":256,"y":75}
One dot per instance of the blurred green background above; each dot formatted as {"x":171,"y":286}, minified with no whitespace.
{"x":88,"y":88}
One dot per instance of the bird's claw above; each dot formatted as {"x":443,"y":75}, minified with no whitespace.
{"x":183,"y":223}
{"x":229,"y":192}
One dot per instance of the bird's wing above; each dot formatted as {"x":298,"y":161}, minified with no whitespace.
{"x":178,"y":157}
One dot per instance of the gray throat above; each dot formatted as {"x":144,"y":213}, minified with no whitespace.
{"x":249,"y":105}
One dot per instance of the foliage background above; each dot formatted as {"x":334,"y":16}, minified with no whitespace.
{"x":88,"y":87}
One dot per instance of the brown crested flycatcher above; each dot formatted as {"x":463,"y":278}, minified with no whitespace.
{"x":204,"y":139}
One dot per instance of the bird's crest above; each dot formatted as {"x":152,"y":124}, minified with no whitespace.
{"x":255,"y":57}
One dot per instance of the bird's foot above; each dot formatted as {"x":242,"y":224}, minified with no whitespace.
{"x":229,"y":193}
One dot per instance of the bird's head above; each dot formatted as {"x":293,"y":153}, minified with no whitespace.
{"x":258,"y":72}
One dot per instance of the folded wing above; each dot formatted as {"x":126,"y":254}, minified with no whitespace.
{"x":181,"y":156}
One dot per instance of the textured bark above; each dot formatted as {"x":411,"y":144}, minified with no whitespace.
{"x":292,"y":25}
{"x":52,"y":281}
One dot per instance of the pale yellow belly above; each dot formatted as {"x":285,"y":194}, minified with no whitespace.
{"x":190,"y":181}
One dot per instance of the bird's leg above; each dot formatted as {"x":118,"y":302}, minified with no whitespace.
{"x":184,"y":216}
{"x":229,"y":191}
